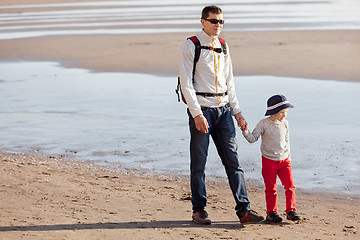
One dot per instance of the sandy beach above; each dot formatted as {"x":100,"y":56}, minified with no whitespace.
{"x":51,"y":197}
{"x":329,"y":55}
{"x":48,"y":197}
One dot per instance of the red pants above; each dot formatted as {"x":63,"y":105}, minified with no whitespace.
{"x":270,"y":170}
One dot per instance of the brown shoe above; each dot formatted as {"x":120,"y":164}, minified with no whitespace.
{"x":201,"y":217}
{"x":249,"y":216}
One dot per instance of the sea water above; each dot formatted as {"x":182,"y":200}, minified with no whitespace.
{"x":138,"y":16}
{"x":132,"y":120}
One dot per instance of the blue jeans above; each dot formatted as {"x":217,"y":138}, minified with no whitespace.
{"x":223,"y":133}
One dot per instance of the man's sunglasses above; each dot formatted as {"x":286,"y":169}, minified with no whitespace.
{"x":215,"y":21}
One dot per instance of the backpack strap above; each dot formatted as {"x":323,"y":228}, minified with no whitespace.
{"x":198,"y":48}
{"x":197,"y":44}
{"x":223,"y":45}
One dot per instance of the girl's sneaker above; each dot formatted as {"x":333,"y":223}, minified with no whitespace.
{"x":293,"y":216}
{"x":274,"y":217}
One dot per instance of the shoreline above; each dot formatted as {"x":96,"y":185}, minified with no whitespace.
{"x":112,"y":167}
{"x":322,"y":55}
{"x":46,"y":197}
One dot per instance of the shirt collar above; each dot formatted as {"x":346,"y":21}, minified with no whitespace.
{"x":274,"y":122}
{"x":206,"y":37}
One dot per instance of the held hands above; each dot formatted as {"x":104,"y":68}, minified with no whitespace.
{"x":241,"y":121}
{"x":203,"y":126}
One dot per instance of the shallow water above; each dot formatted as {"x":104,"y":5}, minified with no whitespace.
{"x":134,"y":120}
{"x":132,"y":17}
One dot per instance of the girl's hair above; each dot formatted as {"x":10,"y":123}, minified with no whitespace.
{"x":210,"y":9}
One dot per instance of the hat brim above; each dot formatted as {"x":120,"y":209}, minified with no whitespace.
{"x":278,"y":109}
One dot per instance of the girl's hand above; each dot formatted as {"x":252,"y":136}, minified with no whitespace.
{"x":241,"y":121}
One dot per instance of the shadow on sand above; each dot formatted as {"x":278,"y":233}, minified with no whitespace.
{"x":123,"y":225}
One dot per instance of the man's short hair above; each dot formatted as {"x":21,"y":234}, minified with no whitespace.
{"x":210,"y":9}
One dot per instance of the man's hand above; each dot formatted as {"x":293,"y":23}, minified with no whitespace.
{"x":241,"y":121}
{"x":201,"y":123}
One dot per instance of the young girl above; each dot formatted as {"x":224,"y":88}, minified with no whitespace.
{"x":275,"y":150}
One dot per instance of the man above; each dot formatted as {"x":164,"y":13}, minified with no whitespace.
{"x":211,"y":102}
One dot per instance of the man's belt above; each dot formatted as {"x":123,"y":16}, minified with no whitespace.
{"x":211,"y":94}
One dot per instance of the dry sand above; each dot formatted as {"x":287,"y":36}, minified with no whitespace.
{"x":329,"y":55}
{"x":46,"y":197}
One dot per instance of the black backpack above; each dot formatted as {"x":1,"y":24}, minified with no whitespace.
{"x":198,"y":48}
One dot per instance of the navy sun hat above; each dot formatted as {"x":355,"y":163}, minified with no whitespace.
{"x":277,"y":103}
